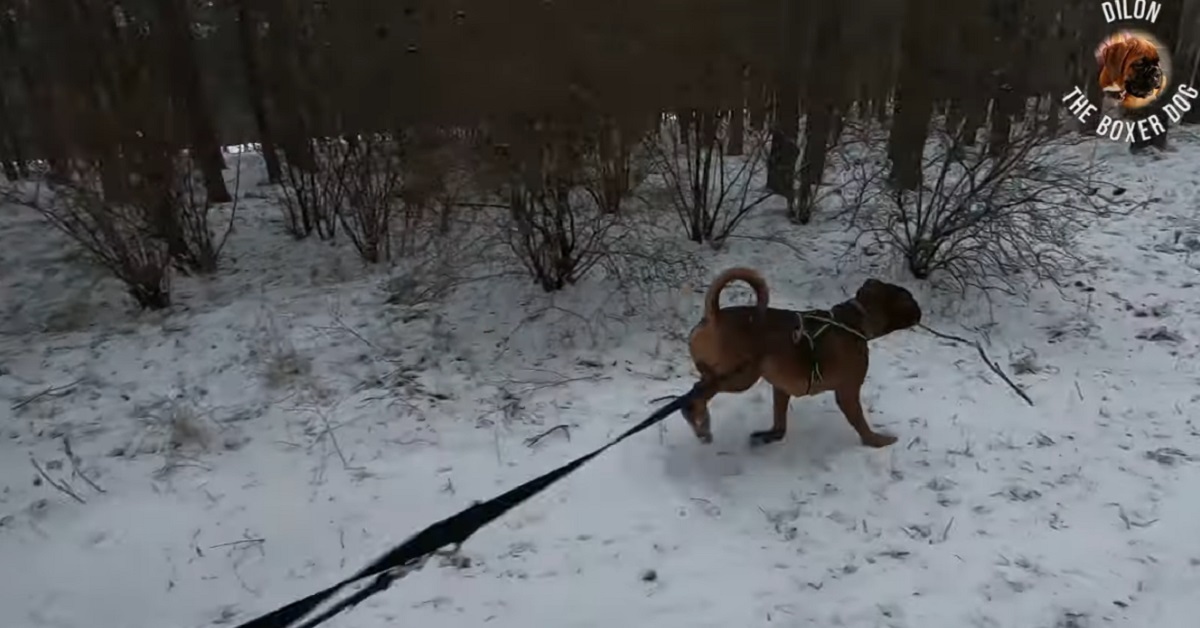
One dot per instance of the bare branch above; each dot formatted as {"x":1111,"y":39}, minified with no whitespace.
{"x":995,"y":368}
{"x":62,"y":487}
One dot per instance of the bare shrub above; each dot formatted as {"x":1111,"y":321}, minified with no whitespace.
{"x":439,"y":257}
{"x":613,"y":165}
{"x":557,"y":235}
{"x":992,"y":222}
{"x":357,"y":182}
{"x":710,"y":191}
{"x":371,"y":171}
{"x":557,"y":238}
{"x":647,"y":270}
{"x":313,"y":193}
{"x":437,"y":177}
{"x":200,"y":245}
{"x":120,"y":236}
{"x":848,"y":180}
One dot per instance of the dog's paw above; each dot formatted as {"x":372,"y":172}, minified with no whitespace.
{"x":878,"y":440}
{"x":765,"y":437}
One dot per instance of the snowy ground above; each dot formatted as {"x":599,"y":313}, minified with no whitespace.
{"x":317,"y":426}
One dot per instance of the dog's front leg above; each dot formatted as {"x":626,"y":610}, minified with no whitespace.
{"x":778,"y":430}
{"x":849,"y":402}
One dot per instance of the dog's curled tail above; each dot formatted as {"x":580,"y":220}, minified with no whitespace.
{"x":712,"y":300}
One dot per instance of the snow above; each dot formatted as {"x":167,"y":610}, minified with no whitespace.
{"x":317,"y":426}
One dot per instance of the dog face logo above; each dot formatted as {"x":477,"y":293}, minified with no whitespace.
{"x":1133,"y":68}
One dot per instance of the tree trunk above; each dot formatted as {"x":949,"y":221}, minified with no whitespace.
{"x":1008,"y":86}
{"x":879,"y":110}
{"x":11,"y":155}
{"x":910,"y":130}
{"x":737,"y":133}
{"x":188,"y":84}
{"x":955,"y":116}
{"x":758,"y":108}
{"x":1004,"y":108}
{"x":974,"y":115}
{"x":816,"y":133}
{"x":785,"y":148}
{"x":46,"y":133}
{"x":248,"y":36}
{"x":113,"y":179}
{"x":1187,"y":73}
{"x":1054,"y":116}
{"x":785,"y":132}
{"x":914,"y":101}
{"x":685,"y":125}
{"x":822,"y":92}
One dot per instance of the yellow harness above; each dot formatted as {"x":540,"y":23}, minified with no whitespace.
{"x":802,"y":333}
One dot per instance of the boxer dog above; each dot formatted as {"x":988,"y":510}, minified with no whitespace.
{"x":800,"y":353}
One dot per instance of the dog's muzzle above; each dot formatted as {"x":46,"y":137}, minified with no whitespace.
{"x":1146,"y":79}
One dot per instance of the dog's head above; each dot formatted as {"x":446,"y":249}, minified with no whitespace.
{"x":889,"y":307}
{"x":1131,"y":69}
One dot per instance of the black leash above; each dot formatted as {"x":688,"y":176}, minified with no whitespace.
{"x":451,"y":531}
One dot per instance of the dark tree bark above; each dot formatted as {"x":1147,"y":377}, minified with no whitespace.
{"x":1186,"y":65}
{"x":785,"y":131}
{"x":248,"y":37}
{"x":785,"y":147}
{"x":822,"y":93}
{"x":737,"y":120}
{"x":686,"y":119}
{"x":11,"y":153}
{"x":47,"y":134}
{"x":1054,"y":115}
{"x":188,"y":85}
{"x":1009,"y":90}
{"x":837,"y":127}
{"x":737,"y":132}
{"x":914,"y":99}
{"x":879,"y":110}
{"x":758,"y":108}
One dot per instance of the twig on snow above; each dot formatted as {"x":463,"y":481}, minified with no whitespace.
{"x":61,"y":486}
{"x":329,"y":430}
{"x":238,"y":543}
{"x":986,"y":360}
{"x":75,"y":470}
{"x":1130,"y":523}
{"x":53,"y":390}
{"x":946,"y":530}
{"x":566,"y":430}
{"x":562,"y":382}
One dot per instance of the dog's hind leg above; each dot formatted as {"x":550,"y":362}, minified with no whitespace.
{"x":780,"y":401}
{"x":849,"y":402}
{"x":696,"y":412}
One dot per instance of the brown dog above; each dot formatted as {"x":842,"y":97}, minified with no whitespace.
{"x":1132,"y":71}
{"x":799,"y":353}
